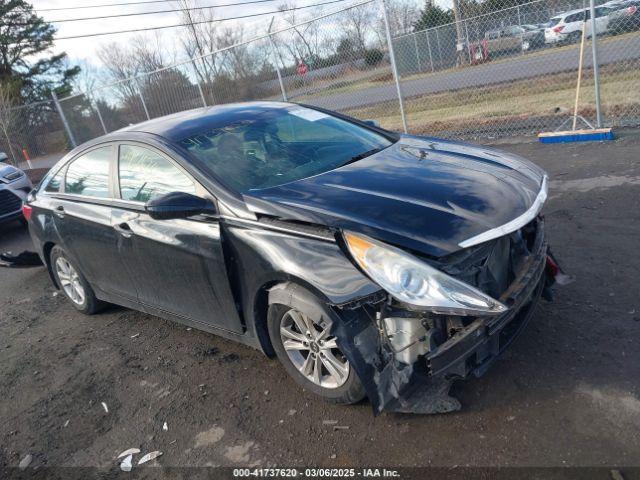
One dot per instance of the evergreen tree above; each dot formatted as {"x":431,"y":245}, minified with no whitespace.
{"x":432,"y":16}
{"x":25,"y":39}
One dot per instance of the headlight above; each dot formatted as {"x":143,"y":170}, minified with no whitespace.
{"x":414,"y":282}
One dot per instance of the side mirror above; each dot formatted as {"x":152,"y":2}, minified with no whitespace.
{"x":3,"y":157}
{"x":371,"y":123}
{"x":178,"y":205}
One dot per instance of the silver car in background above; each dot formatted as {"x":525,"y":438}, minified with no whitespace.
{"x":14,"y":187}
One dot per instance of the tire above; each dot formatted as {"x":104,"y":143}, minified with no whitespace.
{"x":73,"y":283}
{"x":346,"y":391}
{"x":574,"y":37}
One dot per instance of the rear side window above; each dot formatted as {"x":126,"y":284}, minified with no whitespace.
{"x":145,"y":175}
{"x":89,"y":174}
{"x":577,"y":17}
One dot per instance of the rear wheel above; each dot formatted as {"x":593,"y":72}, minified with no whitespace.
{"x":574,"y":37}
{"x":311,"y":355}
{"x":73,"y":284}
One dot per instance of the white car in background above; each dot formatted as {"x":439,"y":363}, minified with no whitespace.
{"x":567,"y":27}
{"x":14,"y":188}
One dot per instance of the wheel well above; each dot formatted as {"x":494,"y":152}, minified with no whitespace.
{"x":260,"y":310}
{"x":284,"y":292}
{"x":46,"y":253}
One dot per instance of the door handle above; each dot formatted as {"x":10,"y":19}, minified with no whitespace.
{"x":59,"y":211}
{"x":123,"y":229}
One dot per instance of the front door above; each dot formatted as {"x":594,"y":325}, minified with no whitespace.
{"x":178,"y":265}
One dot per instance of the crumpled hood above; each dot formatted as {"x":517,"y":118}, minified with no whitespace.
{"x":421,"y":193}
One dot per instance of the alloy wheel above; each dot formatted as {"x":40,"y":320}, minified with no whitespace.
{"x":313,"y":351}
{"x":70,"y":281}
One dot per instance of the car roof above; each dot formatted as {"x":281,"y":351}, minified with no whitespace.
{"x":181,"y":125}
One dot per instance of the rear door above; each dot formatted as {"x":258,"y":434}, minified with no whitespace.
{"x":178,"y":265}
{"x":82,"y":216}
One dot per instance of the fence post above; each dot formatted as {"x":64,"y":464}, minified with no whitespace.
{"x":466,"y":36}
{"x":144,"y":104}
{"x":439,"y":47}
{"x":518,"y":10}
{"x":274,"y":52}
{"x":64,"y":120}
{"x":95,"y":106}
{"x":195,"y":70}
{"x":596,"y":69}
{"x":275,"y":62}
{"x":415,"y":42}
{"x":394,"y":68}
{"x":429,"y":48}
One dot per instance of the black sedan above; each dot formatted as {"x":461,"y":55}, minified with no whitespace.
{"x":370,"y":263}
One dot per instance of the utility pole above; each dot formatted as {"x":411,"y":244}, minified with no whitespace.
{"x":459,"y":33}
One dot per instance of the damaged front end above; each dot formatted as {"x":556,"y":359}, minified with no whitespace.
{"x":407,"y":357}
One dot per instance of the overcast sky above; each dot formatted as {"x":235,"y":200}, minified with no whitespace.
{"x":85,"y":48}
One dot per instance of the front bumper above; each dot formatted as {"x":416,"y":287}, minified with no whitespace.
{"x":407,"y":359}
{"x":11,"y":204}
{"x":472,"y":350}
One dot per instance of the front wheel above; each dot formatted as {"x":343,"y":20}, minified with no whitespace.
{"x":311,"y":355}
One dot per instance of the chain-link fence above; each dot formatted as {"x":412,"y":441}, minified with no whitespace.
{"x":483,"y":72}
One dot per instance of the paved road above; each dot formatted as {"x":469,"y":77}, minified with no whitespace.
{"x":534,"y":64}
{"x":565,"y":394}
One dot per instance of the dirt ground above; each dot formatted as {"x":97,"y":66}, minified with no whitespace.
{"x":566,"y":393}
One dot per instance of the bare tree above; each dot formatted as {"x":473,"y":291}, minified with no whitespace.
{"x":237,"y":62}
{"x":150,"y":53}
{"x":402,"y":16}
{"x":201,"y":39}
{"x":87,"y":80}
{"x":120,"y":66}
{"x":8,"y":114}
{"x":358,"y":22}
{"x":303,"y":37}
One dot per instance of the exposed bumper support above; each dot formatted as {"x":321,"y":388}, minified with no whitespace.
{"x":474,"y":349}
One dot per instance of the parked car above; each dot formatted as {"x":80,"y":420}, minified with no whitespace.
{"x":533,"y":35}
{"x":370,"y":263}
{"x":567,"y":27}
{"x":505,"y":40}
{"x":14,"y":187}
{"x":513,"y":39}
{"x":625,"y":17}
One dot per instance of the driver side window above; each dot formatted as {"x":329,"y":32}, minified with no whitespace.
{"x":145,"y":175}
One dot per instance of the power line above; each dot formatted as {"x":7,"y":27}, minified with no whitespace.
{"x":133,"y":30}
{"x":56,"y":9}
{"x":134,"y":14}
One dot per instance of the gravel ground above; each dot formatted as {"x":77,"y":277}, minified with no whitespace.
{"x":565,"y":394}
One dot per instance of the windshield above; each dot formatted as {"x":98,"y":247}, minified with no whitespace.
{"x":554,"y":21}
{"x":280,"y":145}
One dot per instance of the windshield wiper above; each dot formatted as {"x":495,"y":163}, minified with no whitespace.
{"x":362,"y":155}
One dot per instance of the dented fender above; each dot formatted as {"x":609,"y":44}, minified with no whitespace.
{"x":389,"y":384}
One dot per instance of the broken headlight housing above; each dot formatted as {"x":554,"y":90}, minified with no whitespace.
{"x":416,"y":283}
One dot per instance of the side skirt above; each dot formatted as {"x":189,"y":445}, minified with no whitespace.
{"x":240,"y":338}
